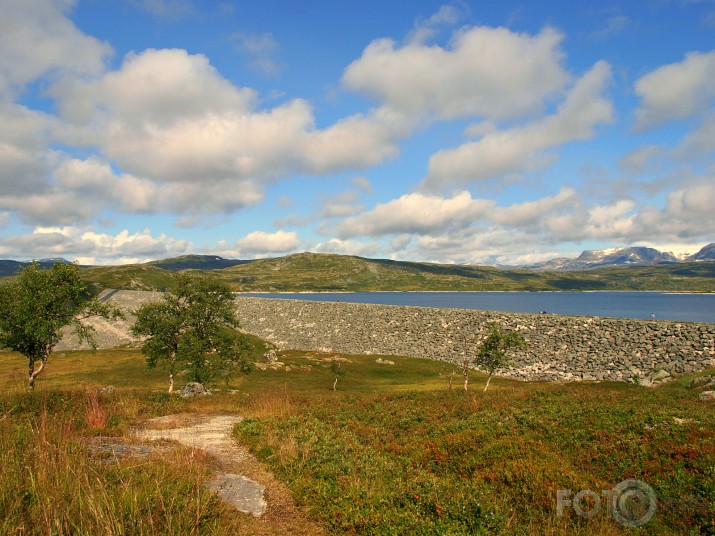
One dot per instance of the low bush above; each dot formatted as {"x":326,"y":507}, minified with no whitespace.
{"x":446,"y":463}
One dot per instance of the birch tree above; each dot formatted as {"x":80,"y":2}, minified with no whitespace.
{"x":38,"y":304}
{"x":194,"y":324}
{"x":492,"y":352}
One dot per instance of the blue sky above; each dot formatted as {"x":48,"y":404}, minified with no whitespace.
{"x":471,"y":132}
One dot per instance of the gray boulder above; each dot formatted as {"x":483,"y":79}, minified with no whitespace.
{"x":655,"y":378}
{"x":240,"y":492}
{"x":192,"y":389}
{"x":702,"y":381}
{"x":707,"y":396}
{"x":270,"y":356}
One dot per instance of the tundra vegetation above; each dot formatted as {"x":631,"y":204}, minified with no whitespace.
{"x":38,"y":304}
{"x":391,"y":452}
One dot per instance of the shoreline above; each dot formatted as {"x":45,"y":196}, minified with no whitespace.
{"x":666,"y":292}
{"x":559,"y":347}
{"x":671,"y":307}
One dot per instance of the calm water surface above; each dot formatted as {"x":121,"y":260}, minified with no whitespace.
{"x":680,"y":307}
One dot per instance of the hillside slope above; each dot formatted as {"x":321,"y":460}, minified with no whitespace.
{"x":311,"y":272}
{"x":196,"y":262}
{"x":128,"y":277}
{"x":324,"y":272}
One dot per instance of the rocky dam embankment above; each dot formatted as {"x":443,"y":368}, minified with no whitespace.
{"x":566,"y":348}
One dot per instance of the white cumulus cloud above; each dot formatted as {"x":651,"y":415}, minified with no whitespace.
{"x":521,"y":148}
{"x":259,"y":242}
{"x":416,"y":213}
{"x":677,"y":90}
{"x":532,"y":212}
{"x":89,"y":246}
{"x":488,"y":72}
{"x":169,"y":117}
{"x":38,"y":39}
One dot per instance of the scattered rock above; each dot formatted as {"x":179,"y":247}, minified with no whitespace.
{"x":194,"y":389}
{"x":681,"y":422}
{"x":381,"y":361}
{"x":111,"y":449}
{"x":656,"y":377}
{"x":702,"y":381}
{"x":706,"y":396}
{"x":213,"y":434}
{"x":270,"y":356}
{"x":240,"y":492}
{"x":109,"y":390}
{"x":558,"y":347}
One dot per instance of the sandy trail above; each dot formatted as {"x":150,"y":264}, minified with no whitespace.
{"x":242,"y":481}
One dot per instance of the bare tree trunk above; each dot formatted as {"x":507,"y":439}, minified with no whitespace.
{"x":35,"y":373}
{"x":171,"y":373}
{"x":335,"y":383}
{"x":466,"y":379}
{"x":487,"y":385}
{"x":31,"y":372}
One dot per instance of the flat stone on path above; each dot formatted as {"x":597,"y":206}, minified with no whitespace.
{"x":240,"y":492}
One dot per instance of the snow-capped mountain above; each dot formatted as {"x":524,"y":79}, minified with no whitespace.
{"x":634,"y":256}
{"x":707,"y":253}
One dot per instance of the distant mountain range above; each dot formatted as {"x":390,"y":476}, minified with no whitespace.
{"x":588,"y":260}
{"x":634,"y":256}
{"x":634,"y":268}
{"x":175,"y":264}
{"x":705,"y":254}
{"x":10,"y":267}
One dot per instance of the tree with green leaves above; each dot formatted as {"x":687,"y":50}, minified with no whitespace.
{"x":38,"y":304}
{"x":492,"y":352}
{"x":195,"y":323}
{"x":337,"y":370}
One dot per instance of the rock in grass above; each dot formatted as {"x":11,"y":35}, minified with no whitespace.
{"x":655,"y":378}
{"x":109,"y":390}
{"x":702,"y":381}
{"x":270,"y":356}
{"x":240,"y":492}
{"x":707,"y":396}
{"x":194,"y":389}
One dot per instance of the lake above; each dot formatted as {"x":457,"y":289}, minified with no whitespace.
{"x":665,"y":306}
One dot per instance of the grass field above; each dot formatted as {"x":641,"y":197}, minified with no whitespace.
{"x":327,"y":272}
{"x":390,"y":452}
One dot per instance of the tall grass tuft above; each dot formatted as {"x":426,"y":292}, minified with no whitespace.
{"x":53,"y":484}
{"x":96,"y":416}
{"x":274,"y":403}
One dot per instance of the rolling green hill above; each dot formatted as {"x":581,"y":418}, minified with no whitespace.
{"x":322,"y":272}
{"x":196,"y":262}
{"x":10,"y":268}
{"x":333,"y":273}
{"x":128,"y":277}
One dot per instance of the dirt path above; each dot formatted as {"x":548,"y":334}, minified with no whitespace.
{"x":242,"y":481}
